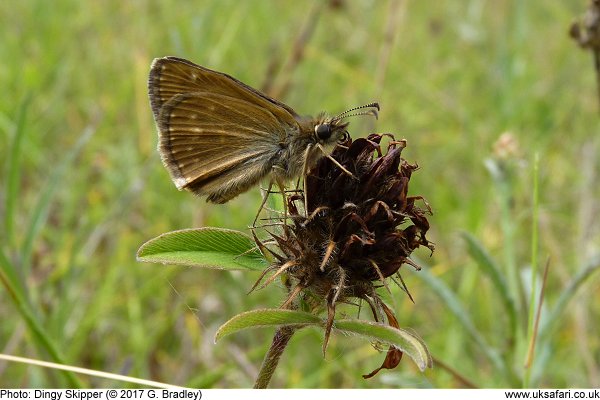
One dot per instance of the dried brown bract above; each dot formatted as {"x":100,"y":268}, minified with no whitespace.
{"x":586,"y":30}
{"x":353,"y":232}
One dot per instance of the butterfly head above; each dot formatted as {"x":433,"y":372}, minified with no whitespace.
{"x":333,"y":129}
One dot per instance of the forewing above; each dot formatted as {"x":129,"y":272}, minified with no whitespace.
{"x":171,"y":76}
{"x":217,"y":145}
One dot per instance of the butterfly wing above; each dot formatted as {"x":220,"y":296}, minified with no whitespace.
{"x":217,"y":145}
{"x":170,"y":76}
{"x":217,"y":136}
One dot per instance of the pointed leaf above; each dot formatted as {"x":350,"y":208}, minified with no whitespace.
{"x":266,"y":317}
{"x":204,"y":247}
{"x":406,"y":341}
{"x":583,"y":275}
{"x":455,"y":306}
{"x":488,"y":265}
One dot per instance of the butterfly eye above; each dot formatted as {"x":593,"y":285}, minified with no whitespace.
{"x":323,"y":131}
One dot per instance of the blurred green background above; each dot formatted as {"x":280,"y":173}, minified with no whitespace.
{"x":478,"y":88}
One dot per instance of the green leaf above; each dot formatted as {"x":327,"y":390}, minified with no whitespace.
{"x":266,"y":317}
{"x":554,"y":318}
{"x":489,"y":266}
{"x":455,"y":306}
{"x":204,"y":247}
{"x":406,"y":341}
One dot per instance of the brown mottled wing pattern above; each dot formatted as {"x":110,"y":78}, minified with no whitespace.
{"x":217,"y":136}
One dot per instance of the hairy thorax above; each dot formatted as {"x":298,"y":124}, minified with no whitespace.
{"x":301,"y":149}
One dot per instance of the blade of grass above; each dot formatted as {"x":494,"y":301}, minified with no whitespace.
{"x":463,"y":380}
{"x":13,"y":172}
{"x":534,"y":336}
{"x":40,"y":211}
{"x":450,"y":299}
{"x":10,"y":278}
{"x":490,"y":267}
{"x":554,"y":317}
{"x":33,"y":324}
{"x":90,"y":372}
{"x":502,"y":178}
{"x":531,"y":331}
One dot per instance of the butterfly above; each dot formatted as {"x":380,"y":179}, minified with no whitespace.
{"x":218,"y":137}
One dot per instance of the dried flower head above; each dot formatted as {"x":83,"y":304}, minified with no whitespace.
{"x":506,"y":146}
{"x":351,"y":232}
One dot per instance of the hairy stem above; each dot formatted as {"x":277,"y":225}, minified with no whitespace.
{"x":280,"y":341}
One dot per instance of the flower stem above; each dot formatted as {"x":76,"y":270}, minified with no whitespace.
{"x":280,"y":341}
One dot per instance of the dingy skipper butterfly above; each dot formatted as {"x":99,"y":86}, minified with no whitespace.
{"x":218,"y":136}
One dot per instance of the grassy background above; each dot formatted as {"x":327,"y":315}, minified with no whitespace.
{"x":82,"y":185}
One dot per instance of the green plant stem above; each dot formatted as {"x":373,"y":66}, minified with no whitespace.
{"x":463,"y":380}
{"x":508,"y":230}
{"x":280,"y":341}
{"x":534,"y":272}
{"x":596,"y":55}
{"x":534,"y":336}
{"x":514,"y":283}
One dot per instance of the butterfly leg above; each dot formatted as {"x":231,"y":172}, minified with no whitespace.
{"x":304,"y":175}
{"x":262,"y":204}
{"x":336,"y":162}
{"x":285,"y":205}
{"x":275,"y":179}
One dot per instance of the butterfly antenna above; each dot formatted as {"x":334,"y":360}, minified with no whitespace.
{"x":373,"y":106}
{"x":369,"y":112}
